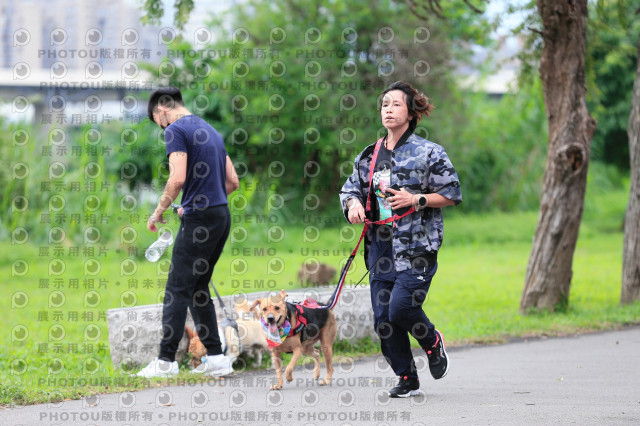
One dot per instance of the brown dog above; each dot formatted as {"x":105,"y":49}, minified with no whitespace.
{"x":196,"y":348}
{"x":307,"y":327}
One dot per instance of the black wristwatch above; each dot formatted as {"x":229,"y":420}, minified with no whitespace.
{"x":422,"y":201}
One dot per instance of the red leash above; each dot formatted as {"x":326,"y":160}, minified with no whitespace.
{"x":343,"y":275}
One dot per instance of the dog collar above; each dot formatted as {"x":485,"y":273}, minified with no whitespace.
{"x":275,"y":339}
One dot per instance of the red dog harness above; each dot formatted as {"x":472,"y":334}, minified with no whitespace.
{"x":300,"y":315}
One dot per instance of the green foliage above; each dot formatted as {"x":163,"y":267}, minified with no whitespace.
{"x":295,"y":99}
{"x":497,"y":146}
{"x":529,"y":31}
{"x":154,"y":11}
{"x":355,"y":348}
{"x":466,"y":18}
{"x":610,"y":63}
{"x":612,"y":55}
{"x":85,"y":189}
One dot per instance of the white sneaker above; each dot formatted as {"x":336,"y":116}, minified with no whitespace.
{"x":159,"y":368}
{"x":214,"y":365}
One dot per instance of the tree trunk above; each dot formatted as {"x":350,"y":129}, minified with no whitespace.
{"x":562,"y":70}
{"x":631,"y":251}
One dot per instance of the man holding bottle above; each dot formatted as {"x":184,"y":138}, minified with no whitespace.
{"x":199,"y":167}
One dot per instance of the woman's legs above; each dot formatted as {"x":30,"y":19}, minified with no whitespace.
{"x":405,"y":309}
{"x":394,"y":340}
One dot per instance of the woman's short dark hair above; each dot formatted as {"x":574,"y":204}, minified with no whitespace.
{"x":418,"y":103}
{"x":165,"y":96}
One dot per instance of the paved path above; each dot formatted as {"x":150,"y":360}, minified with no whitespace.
{"x":590,"y":379}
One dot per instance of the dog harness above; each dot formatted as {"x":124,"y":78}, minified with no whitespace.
{"x":303,"y":321}
{"x":285,"y":330}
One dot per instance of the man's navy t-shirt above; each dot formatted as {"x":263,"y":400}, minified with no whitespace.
{"x":206,"y":162}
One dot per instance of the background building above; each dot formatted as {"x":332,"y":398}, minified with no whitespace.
{"x":74,"y":49}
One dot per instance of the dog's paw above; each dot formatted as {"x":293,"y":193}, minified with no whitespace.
{"x":288,"y":375}
{"x":276,"y":387}
{"x":324,"y":382}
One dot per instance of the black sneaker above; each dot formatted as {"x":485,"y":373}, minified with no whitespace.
{"x":438,"y":360}
{"x":406,"y":387}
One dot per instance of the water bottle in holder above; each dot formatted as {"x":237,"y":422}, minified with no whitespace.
{"x":156,"y":249}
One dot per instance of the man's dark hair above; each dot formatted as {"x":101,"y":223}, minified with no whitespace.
{"x":418,"y":103}
{"x":166,"y":96}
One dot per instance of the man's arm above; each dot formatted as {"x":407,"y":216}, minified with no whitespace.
{"x":177,"y":176}
{"x":231,"y":183}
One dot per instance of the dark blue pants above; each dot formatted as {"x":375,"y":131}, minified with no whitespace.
{"x":198,"y":246}
{"x":397,"y":299}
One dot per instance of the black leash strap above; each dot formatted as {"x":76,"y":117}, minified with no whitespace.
{"x":233,"y":322}
{"x":369,"y":269}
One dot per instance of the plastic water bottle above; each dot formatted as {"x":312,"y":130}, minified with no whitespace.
{"x":156,"y":249}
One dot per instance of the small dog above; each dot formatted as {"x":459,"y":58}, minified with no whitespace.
{"x":295,"y":328}
{"x":196,"y":348}
{"x":250,"y":331}
{"x":248,"y":339}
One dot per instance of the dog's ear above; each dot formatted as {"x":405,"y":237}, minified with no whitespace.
{"x":190,"y":332}
{"x":254,"y":312}
{"x":255,"y":303}
{"x":283,"y":294}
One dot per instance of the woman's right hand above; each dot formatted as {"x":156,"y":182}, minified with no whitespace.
{"x":356,"y":212}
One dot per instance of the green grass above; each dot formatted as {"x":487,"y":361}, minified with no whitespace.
{"x":474,"y":297}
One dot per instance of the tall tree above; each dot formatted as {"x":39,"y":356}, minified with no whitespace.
{"x":571,"y":128}
{"x":631,"y":252}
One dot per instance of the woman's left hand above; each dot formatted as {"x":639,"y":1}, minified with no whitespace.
{"x":400,"y":198}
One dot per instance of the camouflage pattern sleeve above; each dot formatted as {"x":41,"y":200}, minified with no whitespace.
{"x":443,"y":178}
{"x":352,"y":188}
